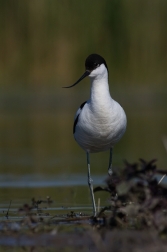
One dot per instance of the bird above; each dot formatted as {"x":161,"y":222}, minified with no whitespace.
{"x":100,"y":122}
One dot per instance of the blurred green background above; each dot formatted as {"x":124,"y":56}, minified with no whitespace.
{"x":43,"y":46}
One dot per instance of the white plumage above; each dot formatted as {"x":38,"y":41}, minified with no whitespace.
{"x":101,"y":121}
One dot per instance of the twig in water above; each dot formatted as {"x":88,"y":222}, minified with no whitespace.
{"x":164,"y":140}
{"x":161,"y":179}
{"x":7,"y":214}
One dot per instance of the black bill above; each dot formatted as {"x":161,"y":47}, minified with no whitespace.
{"x":81,"y":78}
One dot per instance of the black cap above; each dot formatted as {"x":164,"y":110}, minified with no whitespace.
{"x":93,"y":61}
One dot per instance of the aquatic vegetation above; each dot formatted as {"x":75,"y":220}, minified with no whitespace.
{"x":135,"y":219}
{"x":137,"y":199}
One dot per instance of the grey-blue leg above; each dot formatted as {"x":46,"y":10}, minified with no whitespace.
{"x":91,"y":185}
{"x":110,"y":163}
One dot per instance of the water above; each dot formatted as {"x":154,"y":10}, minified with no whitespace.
{"x":59,"y":194}
{"x":39,"y":157}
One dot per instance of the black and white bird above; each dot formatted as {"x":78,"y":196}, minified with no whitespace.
{"x":100,"y":122}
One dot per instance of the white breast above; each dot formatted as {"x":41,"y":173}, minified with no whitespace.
{"x":100,"y":127}
{"x":102,"y":121}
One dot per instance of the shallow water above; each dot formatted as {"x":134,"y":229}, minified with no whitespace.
{"x":39,"y":157}
{"x":59,"y":194}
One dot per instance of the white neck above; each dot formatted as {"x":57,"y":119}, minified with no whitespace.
{"x":99,"y":89}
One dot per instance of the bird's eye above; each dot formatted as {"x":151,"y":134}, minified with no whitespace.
{"x":96,"y":64}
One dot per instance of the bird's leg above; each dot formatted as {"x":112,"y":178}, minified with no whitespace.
{"x":91,"y":185}
{"x":110,"y":164}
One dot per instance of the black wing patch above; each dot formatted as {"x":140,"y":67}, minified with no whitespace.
{"x":76,"y":119}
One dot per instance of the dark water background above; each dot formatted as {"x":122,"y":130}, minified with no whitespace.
{"x":43,"y":47}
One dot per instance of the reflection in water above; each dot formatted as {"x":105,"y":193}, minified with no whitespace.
{"x":36,"y":138}
{"x":41,"y":181}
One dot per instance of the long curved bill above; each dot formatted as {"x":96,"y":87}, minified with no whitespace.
{"x":81,"y":78}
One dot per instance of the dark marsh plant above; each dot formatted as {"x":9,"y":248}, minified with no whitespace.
{"x":137,"y":199}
